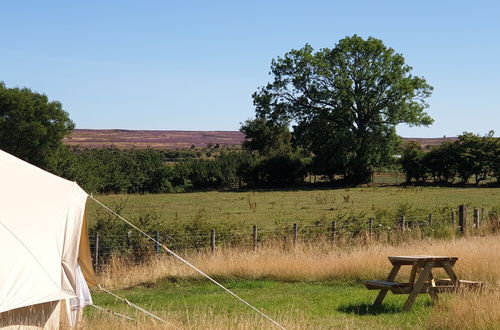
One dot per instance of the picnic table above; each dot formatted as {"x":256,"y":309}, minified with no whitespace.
{"x":421,"y":278}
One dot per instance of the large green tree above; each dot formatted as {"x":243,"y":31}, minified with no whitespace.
{"x":31,"y":126}
{"x":345,"y":103}
{"x":266,"y":138}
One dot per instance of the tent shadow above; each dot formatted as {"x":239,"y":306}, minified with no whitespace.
{"x":369,"y":309}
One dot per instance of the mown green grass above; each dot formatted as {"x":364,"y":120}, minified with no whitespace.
{"x":266,"y":208}
{"x":320,"y":305}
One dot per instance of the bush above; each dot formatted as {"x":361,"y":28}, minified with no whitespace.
{"x":114,"y":171}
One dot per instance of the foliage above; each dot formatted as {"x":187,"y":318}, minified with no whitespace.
{"x":280,"y":169}
{"x":440,"y":162}
{"x":346,"y":102}
{"x":112,"y":170}
{"x":31,"y":126}
{"x":412,"y":162}
{"x":471,"y":156}
{"x":475,"y":156}
{"x":267,"y":138}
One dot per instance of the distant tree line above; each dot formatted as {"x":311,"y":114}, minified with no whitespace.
{"x":471,"y":157}
{"x":112,"y":170}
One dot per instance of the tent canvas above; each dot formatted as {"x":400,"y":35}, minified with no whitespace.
{"x":43,"y":238}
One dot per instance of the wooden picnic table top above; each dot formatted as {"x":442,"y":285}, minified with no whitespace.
{"x":420,"y":259}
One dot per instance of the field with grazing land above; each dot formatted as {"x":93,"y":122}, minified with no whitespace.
{"x":314,"y":286}
{"x":267,"y":208}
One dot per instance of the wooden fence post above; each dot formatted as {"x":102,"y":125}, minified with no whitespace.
{"x":370,"y":227}
{"x":334,"y":232}
{"x":254,"y":234}
{"x":402,"y":223}
{"x":430,"y":220}
{"x":462,"y":219}
{"x":476,"y":218}
{"x":295,"y":234}
{"x":96,"y":251}
{"x":453,"y":222}
{"x":157,"y":243}
{"x":212,"y":241}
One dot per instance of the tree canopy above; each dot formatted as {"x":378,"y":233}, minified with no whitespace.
{"x":31,"y":126}
{"x":345,"y":103}
{"x":266,"y":138}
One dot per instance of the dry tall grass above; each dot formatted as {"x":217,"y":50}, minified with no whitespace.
{"x":212,"y":319}
{"x":479,"y":258}
{"x":468,"y":310}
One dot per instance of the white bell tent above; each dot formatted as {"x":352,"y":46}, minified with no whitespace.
{"x":45,"y":262}
{"x":44,"y":248}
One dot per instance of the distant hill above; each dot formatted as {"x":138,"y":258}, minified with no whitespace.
{"x":127,"y":139}
{"x":424,"y":142}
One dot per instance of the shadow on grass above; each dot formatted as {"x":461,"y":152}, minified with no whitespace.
{"x":369,"y":309}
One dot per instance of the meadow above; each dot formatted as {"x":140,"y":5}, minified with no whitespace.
{"x":310,"y":287}
{"x":267,"y":208}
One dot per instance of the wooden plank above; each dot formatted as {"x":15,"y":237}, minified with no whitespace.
{"x":461,"y":283}
{"x":390,"y":278}
{"x":424,"y":276}
{"x":449,"y":270}
{"x":377,"y":285}
{"x":442,"y":288}
{"x":422,"y":260}
{"x":413,"y":273}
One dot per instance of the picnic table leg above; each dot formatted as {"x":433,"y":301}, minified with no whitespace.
{"x":391,"y":277}
{"x":434,"y":297}
{"x":413,"y":274}
{"x":453,"y":277}
{"x":426,"y":273}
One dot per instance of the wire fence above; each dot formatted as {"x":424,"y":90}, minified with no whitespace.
{"x":462,"y":221}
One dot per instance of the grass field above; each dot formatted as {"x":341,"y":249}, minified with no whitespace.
{"x":310,"y":287}
{"x":300,"y":305}
{"x":266,"y":208}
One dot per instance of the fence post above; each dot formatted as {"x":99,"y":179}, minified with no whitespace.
{"x":295,"y":234}
{"x":334,"y":232}
{"x":157,"y":243}
{"x":430,"y":220}
{"x":453,"y":219}
{"x":462,"y":219}
{"x":96,"y":251}
{"x":476,"y":218}
{"x":370,"y":227}
{"x":212,"y":241}
{"x":402,"y":223}
{"x":254,"y":234}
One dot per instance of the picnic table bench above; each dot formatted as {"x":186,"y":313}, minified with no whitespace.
{"x":421,"y":278}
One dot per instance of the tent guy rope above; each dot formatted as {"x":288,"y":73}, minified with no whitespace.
{"x":137,"y":307}
{"x":189,"y":264}
{"x":105,"y":310}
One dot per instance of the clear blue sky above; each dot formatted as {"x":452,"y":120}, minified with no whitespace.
{"x":194,"y":65}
